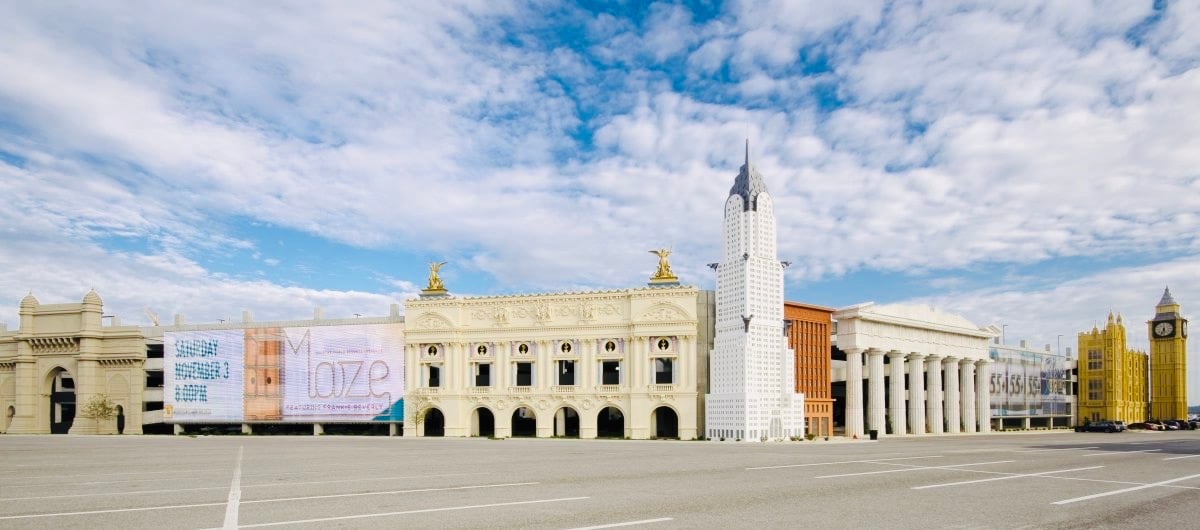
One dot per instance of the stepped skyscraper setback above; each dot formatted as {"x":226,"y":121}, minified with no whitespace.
{"x":752,"y":385}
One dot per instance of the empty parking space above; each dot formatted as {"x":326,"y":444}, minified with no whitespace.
{"x":215,"y":482}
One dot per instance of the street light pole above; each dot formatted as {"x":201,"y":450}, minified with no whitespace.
{"x":1060,"y":344}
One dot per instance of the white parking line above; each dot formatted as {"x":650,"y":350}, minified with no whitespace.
{"x":393,"y":492}
{"x":409,"y":512}
{"x":1007,"y":477}
{"x":629,"y":523}
{"x":1126,"y":490}
{"x":235,"y":494}
{"x":842,"y":462}
{"x":1123,"y":452}
{"x":1062,"y":449}
{"x":244,"y":486}
{"x":915,"y":468}
{"x":115,"y":510}
{"x":260,"y":501}
{"x":1178,"y":457}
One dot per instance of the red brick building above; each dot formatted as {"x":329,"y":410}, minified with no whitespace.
{"x":808,"y":336}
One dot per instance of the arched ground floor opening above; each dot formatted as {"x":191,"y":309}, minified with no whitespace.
{"x":435,"y":423}
{"x":566,"y":423}
{"x":62,"y":401}
{"x":524,"y":422}
{"x":666,"y":423}
{"x":610,"y":423}
{"x":483,"y":422}
{"x":120,"y":419}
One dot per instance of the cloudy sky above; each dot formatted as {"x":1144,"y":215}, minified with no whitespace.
{"x":1033,"y":165}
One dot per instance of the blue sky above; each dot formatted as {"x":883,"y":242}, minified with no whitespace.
{"x":1035,"y":164}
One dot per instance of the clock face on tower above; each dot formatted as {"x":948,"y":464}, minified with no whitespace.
{"x":1164,"y":329}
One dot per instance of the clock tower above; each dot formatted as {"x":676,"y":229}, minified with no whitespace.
{"x":1168,"y":361}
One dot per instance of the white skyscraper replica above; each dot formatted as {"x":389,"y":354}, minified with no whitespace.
{"x":751,"y":380}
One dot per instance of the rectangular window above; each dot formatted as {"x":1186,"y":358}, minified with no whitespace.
{"x":610,"y":373}
{"x":1095,"y":389}
{"x":524,"y":374}
{"x":483,"y":374}
{"x":1095,"y":360}
{"x":566,"y":373}
{"x":435,"y":376}
{"x":663,"y":374}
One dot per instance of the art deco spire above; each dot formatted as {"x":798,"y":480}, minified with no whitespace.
{"x":749,"y":183}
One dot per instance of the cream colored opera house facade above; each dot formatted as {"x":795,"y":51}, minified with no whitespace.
{"x":624,"y":363}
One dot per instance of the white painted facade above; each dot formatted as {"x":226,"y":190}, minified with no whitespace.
{"x":612,"y":344}
{"x":752,"y":394}
{"x":936,"y":376}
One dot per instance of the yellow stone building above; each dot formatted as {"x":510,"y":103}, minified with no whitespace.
{"x":1112,"y":378}
{"x":1168,"y":361}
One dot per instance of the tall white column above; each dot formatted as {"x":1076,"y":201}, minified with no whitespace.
{"x":933,"y":394}
{"x":951,"y":398}
{"x":916,"y":393}
{"x":875,"y":410}
{"x":854,"y":395}
{"x":983,"y":404}
{"x":896,"y":410}
{"x":967,"y":369}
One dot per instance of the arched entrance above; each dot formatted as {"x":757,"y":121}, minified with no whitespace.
{"x":566,"y":423}
{"x":483,"y":422}
{"x":524,"y":422}
{"x":435,"y":423}
{"x":120,"y":419}
{"x":62,"y":401}
{"x":666,"y":423}
{"x":610,"y":423}
{"x":8,"y":417}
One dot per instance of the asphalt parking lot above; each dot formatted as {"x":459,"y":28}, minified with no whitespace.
{"x":1052,"y":480}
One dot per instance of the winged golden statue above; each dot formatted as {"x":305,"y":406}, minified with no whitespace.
{"x":664,"y":267}
{"x":435,"y":282}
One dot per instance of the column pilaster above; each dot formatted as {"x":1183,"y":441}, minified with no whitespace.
{"x":967,"y":388}
{"x":875,"y":398}
{"x":916,"y":393}
{"x":983,"y":408}
{"x":951,"y":399}
{"x":854,"y":393}
{"x":897,"y":413}
{"x":933,"y":395}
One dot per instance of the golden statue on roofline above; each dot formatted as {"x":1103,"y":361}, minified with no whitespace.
{"x":664,"y":267}
{"x":435,"y":282}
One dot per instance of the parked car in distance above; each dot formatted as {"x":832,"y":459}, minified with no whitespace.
{"x":1140,"y":426}
{"x":1120,"y":425}
{"x":1098,"y":426}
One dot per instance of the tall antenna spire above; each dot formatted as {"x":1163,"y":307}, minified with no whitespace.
{"x":747,"y":153}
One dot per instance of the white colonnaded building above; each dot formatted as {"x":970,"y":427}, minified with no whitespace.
{"x":943,"y":356}
{"x":752,"y":394}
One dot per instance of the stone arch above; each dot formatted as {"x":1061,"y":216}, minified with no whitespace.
{"x":483,"y":422}
{"x":118,"y":386}
{"x":664,"y":422}
{"x":434,"y":423}
{"x":59,"y":387}
{"x":611,"y":422}
{"x":120,"y":419}
{"x":566,"y":422}
{"x":524,"y":421}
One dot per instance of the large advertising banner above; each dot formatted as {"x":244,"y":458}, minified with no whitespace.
{"x":1025,"y":383}
{"x":349,"y":373}
{"x":202,"y":376}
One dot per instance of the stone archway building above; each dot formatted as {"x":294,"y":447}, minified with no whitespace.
{"x":936,"y":379}
{"x":55,"y":339}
